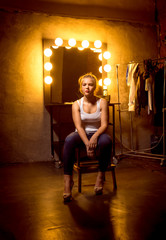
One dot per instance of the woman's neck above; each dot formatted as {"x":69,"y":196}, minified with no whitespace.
{"x":90,"y":99}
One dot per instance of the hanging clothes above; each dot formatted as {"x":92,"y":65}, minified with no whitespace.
{"x":148,"y":87}
{"x":131,"y":79}
{"x":141,"y":97}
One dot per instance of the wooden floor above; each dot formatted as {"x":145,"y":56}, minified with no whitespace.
{"x":32,"y":208}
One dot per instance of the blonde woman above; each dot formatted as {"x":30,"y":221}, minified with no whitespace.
{"x":90,"y":116}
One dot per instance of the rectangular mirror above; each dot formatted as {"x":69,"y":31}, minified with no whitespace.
{"x":68,"y":64}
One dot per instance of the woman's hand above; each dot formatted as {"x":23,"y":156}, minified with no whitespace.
{"x":93,"y":142}
{"x":91,"y":146}
{"x":90,"y":151}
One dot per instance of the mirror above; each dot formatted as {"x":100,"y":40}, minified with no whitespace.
{"x":67,"y":66}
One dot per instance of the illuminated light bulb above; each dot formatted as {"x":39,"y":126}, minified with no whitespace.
{"x":47,"y":52}
{"x":93,"y":49}
{"x":100,"y":82}
{"x":100,"y":69}
{"x":85,"y":44}
{"x":107,"y":68}
{"x":58,"y":41}
{"x":55,"y":47}
{"x":106,"y":55}
{"x":97,"y":43}
{"x":72,"y":42}
{"x":48,"y":66}
{"x":48,"y":80}
{"x":80,"y":48}
{"x":100,"y":56}
{"x":67,"y":47}
{"x":107,"y":81}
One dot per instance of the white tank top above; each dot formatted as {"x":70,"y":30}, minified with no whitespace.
{"x":91,"y":121}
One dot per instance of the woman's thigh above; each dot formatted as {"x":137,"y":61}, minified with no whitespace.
{"x":104,"y":140}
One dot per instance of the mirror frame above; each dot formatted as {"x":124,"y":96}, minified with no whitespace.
{"x":47,"y":43}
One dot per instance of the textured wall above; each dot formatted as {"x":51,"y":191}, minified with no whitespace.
{"x":24,"y":121}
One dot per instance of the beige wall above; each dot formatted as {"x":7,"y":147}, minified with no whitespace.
{"x":24,"y":121}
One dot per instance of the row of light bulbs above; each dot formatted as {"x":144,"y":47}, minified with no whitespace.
{"x":72,"y":42}
{"x":85,"y":44}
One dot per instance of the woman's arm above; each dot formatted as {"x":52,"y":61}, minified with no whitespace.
{"x":80,"y":129}
{"x":78,"y":123}
{"x":104,"y":123}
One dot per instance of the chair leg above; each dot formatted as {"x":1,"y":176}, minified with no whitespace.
{"x":79,"y":181}
{"x":114,"y":179}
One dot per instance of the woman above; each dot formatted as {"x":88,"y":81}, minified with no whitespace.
{"x":90,"y":116}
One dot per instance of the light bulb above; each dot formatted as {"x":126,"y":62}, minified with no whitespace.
{"x":55,"y":47}
{"x":107,"y":68}
{"x":48,"y":80}
{"x":67,"y":47}
{"x":100,"y":56}
{"x":100,"y":82}
{"x":106,"y":55}
{"x":97,"y":43}
{"x":100,"y":69}
{"x":80,"y":48}
{"x":48,"y":66}
{"x":47,"y":52}
{"x":107,"y":81}
{"x":72,"y":42}
{"x":85,"y":44}
{"x":58,"y":41}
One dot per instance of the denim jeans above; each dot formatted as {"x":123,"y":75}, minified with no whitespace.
{"x":73,"y":140}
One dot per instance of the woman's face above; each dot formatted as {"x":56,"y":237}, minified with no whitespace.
{"x":88,"y":86}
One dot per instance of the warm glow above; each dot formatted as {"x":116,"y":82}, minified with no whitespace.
{"x":48,"y":80}
{"x":48,"y":66}
{"x":100,"y":82}
{"x":72,"y":42}
{"x":67,"y":47}
{"x":106,"y":55}
{"x":98,"y":50}
{"x":104,"y":90}
{"x":85,"y":44}
{"x":107,"y":68}
{"x":100,"y":69}
{"x":97,"y":43}
{"x":58,"y":41}
{"x":47,"y":52}
{"x":80,"y":48}
{"x":100,"y":56}
{"x":55,"y":47}
{"x":107,"y":81}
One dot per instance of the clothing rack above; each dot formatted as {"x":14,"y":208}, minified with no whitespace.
{"x":134,"y":152}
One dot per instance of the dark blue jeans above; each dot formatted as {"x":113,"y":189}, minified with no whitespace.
{"x":73,"y":140}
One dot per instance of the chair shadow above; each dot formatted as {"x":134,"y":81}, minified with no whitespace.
{"x":91,"y":214}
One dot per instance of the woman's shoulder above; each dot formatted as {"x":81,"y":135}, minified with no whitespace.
{"x":101,"y":100}
{"x":77,"y":103}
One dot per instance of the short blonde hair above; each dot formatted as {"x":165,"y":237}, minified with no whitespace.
{"x":87,"y":75}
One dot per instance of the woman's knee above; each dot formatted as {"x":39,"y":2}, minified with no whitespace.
{"x":72,"y":139}
{"x":105,"y":140}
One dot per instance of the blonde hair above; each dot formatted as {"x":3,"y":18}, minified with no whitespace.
{"x":87,"y":75}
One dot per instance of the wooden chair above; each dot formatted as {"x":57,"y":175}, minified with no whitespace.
{"x":85,"y":165}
